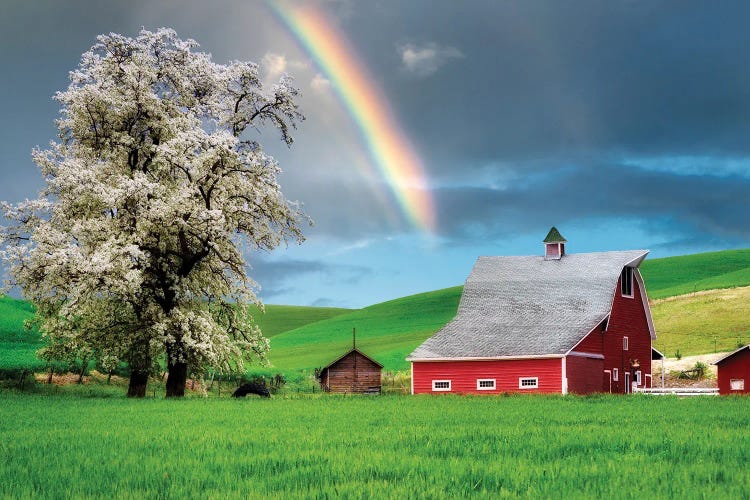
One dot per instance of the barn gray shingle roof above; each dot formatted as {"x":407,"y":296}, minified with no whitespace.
{"x":528,"y":306}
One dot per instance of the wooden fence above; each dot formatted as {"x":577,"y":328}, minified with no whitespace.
{"x":679,"y":391}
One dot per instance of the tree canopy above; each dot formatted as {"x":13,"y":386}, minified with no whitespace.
{"x":155,"y":192}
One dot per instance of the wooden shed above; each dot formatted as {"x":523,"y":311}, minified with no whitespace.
{"x":355,"y":372}
{"x":734,"y":372}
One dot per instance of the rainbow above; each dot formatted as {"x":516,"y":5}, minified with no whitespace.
{"x":387,"y":143}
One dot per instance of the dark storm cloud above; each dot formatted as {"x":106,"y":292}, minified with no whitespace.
{"x":552,"y":78}
{"x":698,"y":207}
{"x":559,"y":88}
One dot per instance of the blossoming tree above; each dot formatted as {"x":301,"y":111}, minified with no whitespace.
{"x":154,"y":193}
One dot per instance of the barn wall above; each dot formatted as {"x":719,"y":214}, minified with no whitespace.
{"x":628,"y":319}
{"x":584,"y":374}
{"x":464,"y":374}
{"x":736,"y":367}
{"x":343,"y":378}
{"x":593,"y":343}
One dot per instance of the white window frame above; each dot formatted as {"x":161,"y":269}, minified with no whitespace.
{"x":522,"y":386}
{"x":479,"y":384}
{"x":441,"y":389}
{"x":616,"y":374}
{"x":737,"y":384}
{"x":638,"y":377}
{"x":625,"y":344}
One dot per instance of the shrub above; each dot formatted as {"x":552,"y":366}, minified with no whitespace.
{"x":678,"y":354}
{"x":701,"y":370}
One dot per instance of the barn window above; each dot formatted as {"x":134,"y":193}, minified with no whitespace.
{"x":624,"y":343}
{"x":737,"y":384}
{"x":486,"y":384}
{"x":626,"y":282}
{"x":528,"y":383}
{"x":441,"y":385}
{"x":615,"y":374}
{"x":638,"y":377}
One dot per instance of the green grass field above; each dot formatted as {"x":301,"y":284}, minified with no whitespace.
{"x":374,"y":447}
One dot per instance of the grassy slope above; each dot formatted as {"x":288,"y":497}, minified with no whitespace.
{"x":382,"y":447}
{"x":18,"y":346}
{"x":691,"y":323}
{"x":387,"y":331}
{"x":278,"y":319}
{"x":672,"y":276}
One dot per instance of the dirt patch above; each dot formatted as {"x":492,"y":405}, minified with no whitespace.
{"x":713,"y":291}
{"x":672,"y":367}
{"x":72,"y":378}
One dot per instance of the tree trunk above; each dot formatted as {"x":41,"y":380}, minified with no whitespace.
{"x":84,"y":365}
{"x":138,"y":383}
{"x":176,"y":379}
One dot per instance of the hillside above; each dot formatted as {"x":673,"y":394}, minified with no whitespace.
{"x":705,"y":322}
{"x":388,"y":331}
{"x":670,"y":276}
{"x":278,"y":319}
{"x":18,"y":346}
{"x":309,"y":337}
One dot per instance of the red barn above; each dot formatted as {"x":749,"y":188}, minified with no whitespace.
{"x":733,"y":370}
{"x":554,"y":323}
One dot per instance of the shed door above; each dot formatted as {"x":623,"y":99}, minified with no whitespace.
{"x":627,"y":382}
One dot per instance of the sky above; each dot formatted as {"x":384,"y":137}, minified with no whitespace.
{"x":439,"y":131}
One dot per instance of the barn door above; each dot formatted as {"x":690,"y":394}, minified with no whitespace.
{"x":627,"y":382}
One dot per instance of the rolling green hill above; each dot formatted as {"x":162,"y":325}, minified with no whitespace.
{"x":18,"y":346}
{"x":391,"y":330}
{"x":388,"y":331}
{"x":310,"y":337}
{"x":278,"y":319}
{"x":670,"y":276}
{"x":709,"y":321}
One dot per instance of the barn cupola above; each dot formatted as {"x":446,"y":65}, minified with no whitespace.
{"x":554,"y":245}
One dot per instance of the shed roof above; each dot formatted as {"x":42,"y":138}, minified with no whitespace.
{"x":730,"y":355}
{"x":529,"y":306}
{"x":348,"y":353}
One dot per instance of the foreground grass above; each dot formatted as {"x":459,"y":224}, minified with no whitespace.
{"x":384,"y":447}
{"x":711,"y":321}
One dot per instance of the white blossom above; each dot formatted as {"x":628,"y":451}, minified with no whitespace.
{"x":132,"y":248}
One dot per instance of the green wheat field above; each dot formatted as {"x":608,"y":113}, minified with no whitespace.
{"x":384,"y":447}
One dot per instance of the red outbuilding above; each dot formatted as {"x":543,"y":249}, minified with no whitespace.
{"x":733,"y":370}
{"x":554,"y":323}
